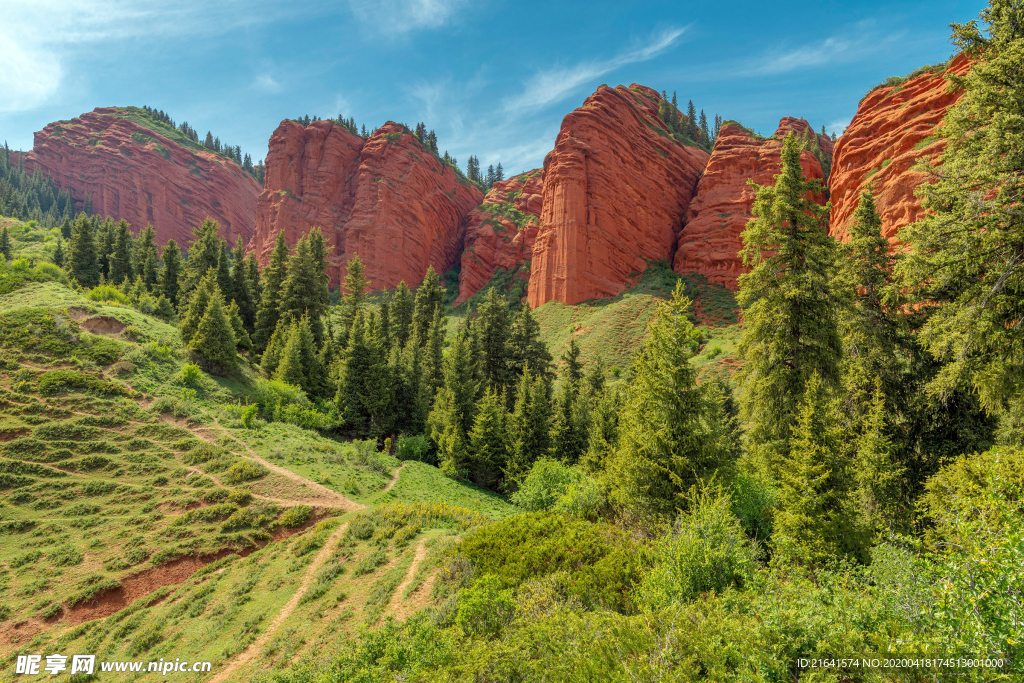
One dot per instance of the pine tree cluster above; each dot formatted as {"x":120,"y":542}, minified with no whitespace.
{"x":688,"y":128}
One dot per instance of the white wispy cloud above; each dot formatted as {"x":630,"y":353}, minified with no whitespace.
{"x":554,"y":84}
{"x":39,"y":37}
{"x":838,"y":126}
{"x":863,"y":42}
{"x":402,"y":16}
{"x":267,"y":83}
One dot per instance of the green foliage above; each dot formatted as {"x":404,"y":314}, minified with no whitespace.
{"x":485,"y":608}
{"x":790,"y":328}
{"x":62,"y":381}
{"x":415,"y":447}
{"x":601,"y":562}
{"x":705,"y":550}
{"x":674,"y":434}
{"x":546,"y":483}
{"x":296,"y":516}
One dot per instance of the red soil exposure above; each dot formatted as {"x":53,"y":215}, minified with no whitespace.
{"x":493,"y":239}
{"x":141,"y":584}
{"x":103,"y":324}
{"x":134,"y":173}
{"x":893,"y":130}
{"x":711,"y":240}
{"x":386,"y":198}
{"x":616,"y":190}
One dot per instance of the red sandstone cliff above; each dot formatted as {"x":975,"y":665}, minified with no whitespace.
{"x":386,"y":198}
{"x":501,"y":231}
{"x":132,"y":172}
{"x":616,"y":190}
{"x":893,"y":129}
{"x":711,"y":240}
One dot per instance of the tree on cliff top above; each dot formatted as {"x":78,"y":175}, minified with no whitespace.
{"x":966,"y":261}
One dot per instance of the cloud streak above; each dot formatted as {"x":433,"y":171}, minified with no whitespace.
{"x":552,"y":85}
{"x":397,"y":17}
{"x":832,"y":50}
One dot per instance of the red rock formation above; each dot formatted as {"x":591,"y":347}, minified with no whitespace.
{"x":616,"y":190}
{"x":501,"y":231}
{"x":386,"y":198}
{"x":132,"y":172}
{"x":893,"y":130}
{"x":711,"y":241}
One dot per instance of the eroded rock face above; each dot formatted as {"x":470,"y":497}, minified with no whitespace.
{"x":616,"y":190}
{"x":711,"y":241}
{"x":386,"y":198}
{"x":501,"y":231}
{"x":132,"y":172}
{"x":893,"y":129}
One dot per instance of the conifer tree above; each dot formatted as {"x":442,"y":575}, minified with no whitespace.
{"x":488,"y":442}
{"x":790,"y":327}
{"x":499,"y":173}
{"x":433,"y":367}
{"x":106,"y":236}
{"x":203,"y":253}
{"x":241,"y":287}
{"x":224,"y":280}
{"x":82,"y":263}
{"x":672,"y":434}
{"x":355,"y":285}
{"x":572,"y":368}
{"x":529,"y":430}
{"x":6,"y":247}
{"x":196,"y":307}
{"x":965,"y":265}
{"x":58,"y":254}
{"x":525,"y":347}
{"x":214,"y":341}
{"x":493,"y":324}
{"x":691,"y":122}
{"x":290,"y":369}
{"x":238,"y":327}
{"x":445,"y":428}
{"x":171,"y":272}
{"x":705,"y":134}
{"x":364,"y":391}
{"x":145,"y":245}
{"x":269,"y":312}
{"x":603,"y":436}
{"x":121,"y":258}
{"x":150,"y":272}
{"x":429,"y":296}
{"x":401,"y":314}
{"x":569,"y":427}
{"x":817,"y":509}
{"x":272,"y":354}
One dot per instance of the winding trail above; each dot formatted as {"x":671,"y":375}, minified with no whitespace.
{"x":396,"y":597}
{"x":394,"y":479}
{"x":340,"y":501}
{"x":247,"y":655}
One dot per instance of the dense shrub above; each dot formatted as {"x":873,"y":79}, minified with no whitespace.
{"x":705,"y":550}
{"x":601,"y":561}
{"x":296,"y":516}
{"x":62,"y":381}
{"x":413,"y":448}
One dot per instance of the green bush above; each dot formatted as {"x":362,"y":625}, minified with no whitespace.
{"x":101,"y":350}
{"x":601,"y":562}
{"x":62,"y":381}
{"x":107,"y":293}
{"x":413,"y":448}
{"x":485,"y":608}
{"x":65,"y":556}
{"x":706,"y":550}
{"x":190,"y":375}
{"x":376,"y":558}
{"x":546,"y":482}
{"x":296,"y":516}
{"x":245,"y":470}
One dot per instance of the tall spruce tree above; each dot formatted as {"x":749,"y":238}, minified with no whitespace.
{"x":224,"y":281}
{"x":488,"y":446}
{"x":672,"y":433}
{"x":402,"y":305}
{"x":145,"y":249}
{"x":82,"y":263}
{"x":817,"y":509}
{"x":59,"y":254}
{"x":493,"y":325}
{"x":214,"y":341}
{"x":966,"y":260}
{"x":354,"y":295}
{"x":204,"y":252}
{"x":171,"y":271}
{"x":106,"y":236}
{"x":193,"y":311}
{"x":525,"y":347}
{"x":790,"y":329}
{"x":6,"y":246}
{"x":269,"y":311}
{"x":120,"y":258}
{"x":429,"y":296}
{"x":242,"y":288}
{"x":529,"y":426}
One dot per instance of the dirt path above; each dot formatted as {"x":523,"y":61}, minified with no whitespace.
{"x":395,"y":603}
{"x":335,"y":499}
{"x":394,"y":479}
{"x":257,"y":646}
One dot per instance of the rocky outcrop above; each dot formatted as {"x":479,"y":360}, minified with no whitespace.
{"x":616,"y":189}
{"x":711,"y":241}
{"x":501,"y":231}
{"x":893,"y":130}
{"x":130,"y":171}
{"x":387,"y":198}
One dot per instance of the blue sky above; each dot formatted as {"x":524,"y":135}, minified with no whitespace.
{"x":493,"y":77}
